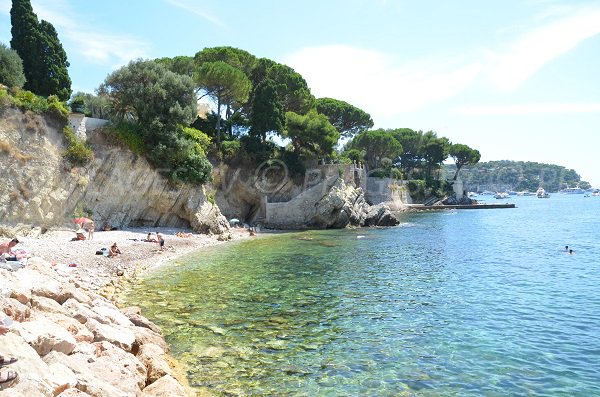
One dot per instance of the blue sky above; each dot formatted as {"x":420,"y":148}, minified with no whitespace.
{"x":516,"y":79}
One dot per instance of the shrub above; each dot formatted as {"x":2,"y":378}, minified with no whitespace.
{"x":416,"y":188}
{"x":57,"y":108}
{"x":202,"y":140}
{"x":230,"y":149}
{"x":129,"y":136}
{"x":78,"y":153}
{"x":27,"y":100}
{"x":396,"y":173}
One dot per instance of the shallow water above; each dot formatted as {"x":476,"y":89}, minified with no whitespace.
{"x":464,"y":303}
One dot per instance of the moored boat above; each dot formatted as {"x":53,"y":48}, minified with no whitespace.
{"x":541,"y":193}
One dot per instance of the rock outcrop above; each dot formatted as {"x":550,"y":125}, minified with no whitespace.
{"x":41,"y":189}
{"x":83,"y":347}
{"x":330,"y":204}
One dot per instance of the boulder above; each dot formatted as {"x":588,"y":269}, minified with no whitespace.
{"x":166,"y":386}
{"x":82,"y":312}
{"x":141,"y":321}
{"x":112,"y":313}
{"x":380,"y":215}
{"x":46,"y":336}
{"x":153,"y":357}
{"x":120,"y":336}
{"x":35,"y":378}
{"x":47,"y":305}
{"x":74,"y":327}
{"x":144,"y":336}
{"x":15,"y":309}
{"x":73,"y":393}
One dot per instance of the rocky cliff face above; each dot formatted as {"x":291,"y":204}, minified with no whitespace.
{"x":41,"y":189}
{"x":329,"y":204}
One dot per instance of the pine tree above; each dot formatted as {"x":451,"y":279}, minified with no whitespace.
{"x":44,"y":59}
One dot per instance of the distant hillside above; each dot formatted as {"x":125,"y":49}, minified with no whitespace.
{"x":517,"y":175}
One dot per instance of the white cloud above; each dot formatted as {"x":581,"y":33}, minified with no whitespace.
{"x":376,"y":82}
{"x":529,"y":109}
{"x":196,"y":10}
{"x":528,"y":54}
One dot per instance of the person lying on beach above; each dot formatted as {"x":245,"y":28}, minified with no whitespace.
{"x":149,"y":238}
{"x":182,"y":234}
{"x":7,"y":246}
{"x":114,"y":250}
{"x":79,"y":236}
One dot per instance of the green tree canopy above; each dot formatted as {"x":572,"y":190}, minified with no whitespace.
{"x":44,"y":59}
{"x":226,"y":85}
{"x":463,"y":155}
{"x":434,"y":151}
{"x":182,"y":64}
{"x":349,"y":120}
{"x":292,"y":89}
{"x":311,"y":133}
{"x":160,"y":104}
{"x":11,"y":68}
{"x":267,"y":112}
{"x":377,"y":145}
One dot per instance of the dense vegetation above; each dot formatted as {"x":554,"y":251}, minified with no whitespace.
{"x":519,"y":176}
{"x":11,"y":68}
{"x":44,"y":59}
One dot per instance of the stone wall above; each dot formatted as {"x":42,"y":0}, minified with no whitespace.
{"x":392,"y":192}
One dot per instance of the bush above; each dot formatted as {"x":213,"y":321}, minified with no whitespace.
{"x":416,"y":188}
{"x":202,"y":140}
{"x":27,"y":100}
{"x":230,"y":149}
{"x":128,"y":134}
{"x":256,"y":150}
{"x":396,"y":173}
{"x":57,"y":108}
{"x":78,"y":153}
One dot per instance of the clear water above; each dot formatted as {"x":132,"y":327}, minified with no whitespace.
{"x":465,"y":303}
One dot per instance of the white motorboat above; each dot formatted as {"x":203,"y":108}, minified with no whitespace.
{"x":541,"y":193}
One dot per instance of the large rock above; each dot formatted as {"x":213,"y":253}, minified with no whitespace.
{"x":380,"y":215}
{"x":153,"y":357}
{"x":109,"y":311}
{"x":166,"y":386}
{"x":134,"y":315}
{"x":120,"y":336}
{"x":46,"y":336}
{"x":15,"y":309}
{"x":35,"y":378}
{"x":144,"y":336}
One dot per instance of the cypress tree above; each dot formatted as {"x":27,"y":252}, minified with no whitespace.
{"x":44,"y":59}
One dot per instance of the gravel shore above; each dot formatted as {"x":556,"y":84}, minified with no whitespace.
{"x":78,"y":259}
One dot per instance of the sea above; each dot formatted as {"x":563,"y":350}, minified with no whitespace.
{"x":448,"y":303}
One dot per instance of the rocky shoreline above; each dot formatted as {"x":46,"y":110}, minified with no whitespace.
{"x":69,"y":336}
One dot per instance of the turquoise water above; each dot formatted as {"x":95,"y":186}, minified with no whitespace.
{"x":465,"y":303}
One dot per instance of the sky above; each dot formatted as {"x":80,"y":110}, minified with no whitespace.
{"x":515,"y":79}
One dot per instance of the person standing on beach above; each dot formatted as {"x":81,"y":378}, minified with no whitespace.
{"x":90,"y":229}
{"x":161,"y":241}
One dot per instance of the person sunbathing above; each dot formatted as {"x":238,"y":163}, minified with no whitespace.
{"x":114,"y":250}
{"x":7,"y":246}
{"x":182,"y":234}
{"x":149,"y":238}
